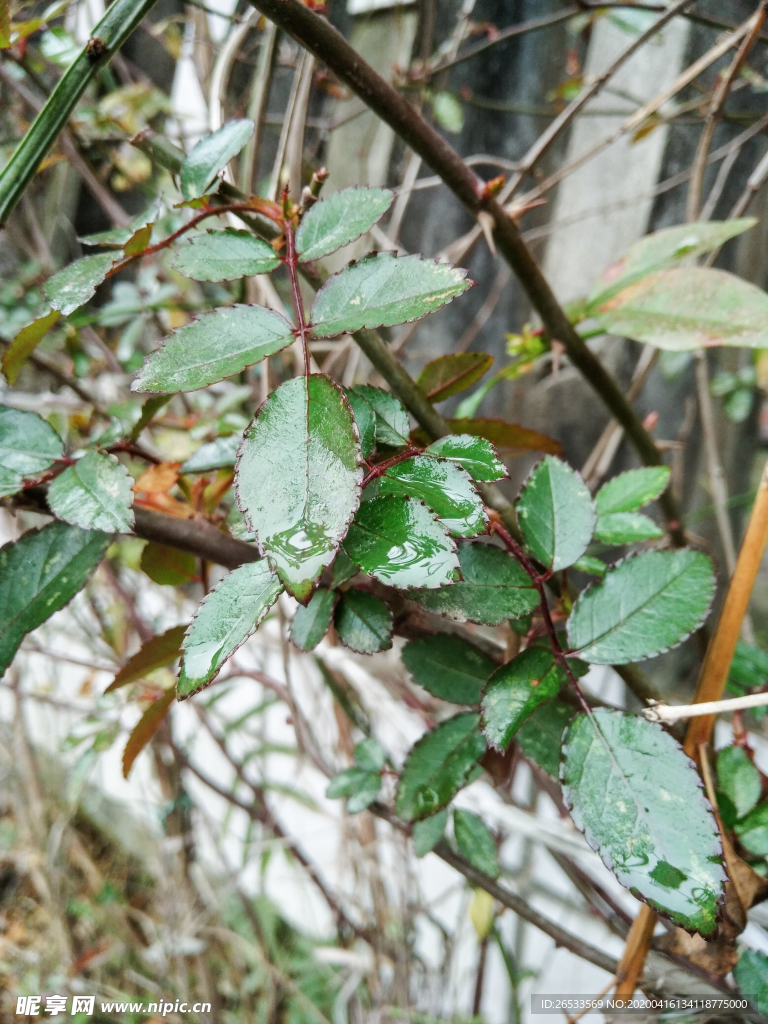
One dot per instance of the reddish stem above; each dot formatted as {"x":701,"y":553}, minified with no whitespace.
{"x":381,"y":467}
{"x":292,"y":262}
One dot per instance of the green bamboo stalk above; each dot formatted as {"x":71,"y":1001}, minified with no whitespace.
{"x":122,"y":17}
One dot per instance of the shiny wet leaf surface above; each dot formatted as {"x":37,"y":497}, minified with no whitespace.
{"x":514,"y":692}
{"x":443,"y":487}
{"x":474,"y":454}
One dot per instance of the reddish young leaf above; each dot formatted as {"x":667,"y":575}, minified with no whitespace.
{"x":155,"y":653}
{"x":145,"y":729}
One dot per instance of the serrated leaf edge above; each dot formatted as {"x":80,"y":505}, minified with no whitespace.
{"x":354,"y":188}
{"x":215,"y":280}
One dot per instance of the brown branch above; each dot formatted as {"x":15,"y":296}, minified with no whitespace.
{"x":329,"y":46}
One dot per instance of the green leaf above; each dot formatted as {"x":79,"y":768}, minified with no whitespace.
{"x":629,"y":491}
{"x":690,"y":308}
{"x":392,"y":427}
{"x":360,"y":785}
{"x":739,"y":779}
{"x":339,"y":220}
{"x":211,"y":155}
{"x":382,"y":290}
{"x":399,"y":542}
{"x":343,"y":569}
{"x":475,"y":842}
{"x":225,"y":256}
{"x":449,"y":113}
{"x":155,"y":653}
{"x":494,"y":587}
{"x":626,"y":528}
{"x":514,"y":692}
{"x":749,"y":667}
{"x":510,"y":436}
{"x":666,"y":248}
{"x":25,"y":343}
{"x":168,"y":566}
{"x":218,"y":454}
{"x":556,"y":514}
{"x":751,"y":975}
{"x":640,"y":803}
{"x":77,"y":282}
{"x":28,"y":447}
{"x":96,"y":493}
{"x":428,"y":832}
{"x":752,"y":831}
{"x":443,"y":487}
{"x":448,"y":667}
{"x":230,"y":613}
{"x":474,"y":454}
{"x":363,"y":622}
{"x":365,"y":419}
{"x":452,"y":374}
{"x":590,"y":566}
{"x":540,"y":736}
{"x":646,"y":604}
{"x":311,"y":623}
{"x":39,"y":574}
{"x":437,"y":767}
{"x":298,"y":478}
{"x":217,"y":345}
{"x":370,"y":754}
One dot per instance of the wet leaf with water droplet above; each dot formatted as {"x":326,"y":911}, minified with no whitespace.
{"x":298,"y":478}
{"x":475,"y":454}
{"x":640,"y":803}
{"x":437,"y":767}
{"x":443,"y":487}
{"x":391,"y":419}
{"x":229,"y":614}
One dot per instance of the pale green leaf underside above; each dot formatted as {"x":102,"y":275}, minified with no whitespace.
{"x":666,"y":248}
{"x":401,"y":544}
{"x":494,"y":587}
{"x":514,"y":692}
{"x":95,"y":493}
{"x":218,"y":454}
{"x":77,"y":282}
{"x":363,"y":622}
{"x":39,"y":574}
{"x":640,"y":803}
{"x":229,"y":614}
{"x":211,"y":155}
{"x":339,"y":220}
{"x":556,"y":514}
{"x":689,"y":308}
{"x":629,"y":491}
{"x":382,"y":290}
{"x":218,"y":345}
{"x":448,"y":667}
{"x":443,"y":487}
{"x":298,"y":478}
{"x":437,"y":767}
{"x":225,"y":256}
{"x":646,"y":604}
{"x":28,"y":447}
{"x":474,"y":454}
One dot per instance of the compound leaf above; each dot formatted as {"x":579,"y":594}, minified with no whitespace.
{"x":217,"y":345}
{"x":452,"y":374}
{"x":475,"y":842}
{"x":626,"y":528}
{"x":310,"y":623}
{"x":738,"y":778}
{"x":225,"y":256}
{"x":475,"y":454}
{"x":629,"y":491}
{"x":391,"y":419}
{"x":688,"y":308}
{"x":161,"y":650}
{"x":77,"y":282}
{"x":448,"y":667}
{"x":211,"y":155}
{"x":438,"y":766}
{"x":95,"y":493}
{"x":514,"y":692}
{"x":229,"y":614}
{"x":556,"y":514}
{"x":443,"y":487}
{"x":28,"y":447}
{"x":39,"y":574}
{"x":640,"y":803}
{"x":382,"y":290}
{"x":339,"y":220}
{"x":298,"y":478}
{"x":494,"y":587}
{"x":401,"y":544}
{"x":645,"y":605}
{"x":363,"y":622}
